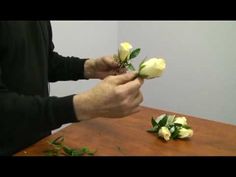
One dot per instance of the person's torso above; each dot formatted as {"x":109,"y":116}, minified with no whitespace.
{"x":24,"y":50}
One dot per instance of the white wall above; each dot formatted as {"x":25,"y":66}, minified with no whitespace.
{"x":201,"y":65}
{"x":199,"y":79}
{"x":82,"y":39}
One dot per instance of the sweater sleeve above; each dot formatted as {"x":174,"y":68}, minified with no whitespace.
{"x":25,"y":119}
{"x":63,"y":68}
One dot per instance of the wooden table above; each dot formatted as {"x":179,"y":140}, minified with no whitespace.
{"x":128,"y":137}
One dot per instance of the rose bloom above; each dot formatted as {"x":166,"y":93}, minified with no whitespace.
{"x":185,"y":133}
{"x":180,"y":120}
{"x":152,"y":68}
{"x":165,"y":133}
{"x":125,"y":50}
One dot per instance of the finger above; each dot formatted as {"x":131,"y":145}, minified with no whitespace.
{"x":141,"y":80}
{"x":136,"y":95}
{"x":109,"y":61}
{"x":123,"y":78}
{"x":137,"y":109}
{"x":137,"y":100}
{"x":131,"y":87}
{"x":133,"y":103}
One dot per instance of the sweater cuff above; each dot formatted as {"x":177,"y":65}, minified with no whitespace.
{"x":77,"y":68}
{"x":63,"y":110}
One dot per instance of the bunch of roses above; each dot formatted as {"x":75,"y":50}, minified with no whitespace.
{"x":171,"y":127}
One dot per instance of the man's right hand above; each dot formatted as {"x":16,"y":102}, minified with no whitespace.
{"x":114,"y":97}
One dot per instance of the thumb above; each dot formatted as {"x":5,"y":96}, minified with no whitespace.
{"x":124,"y":78}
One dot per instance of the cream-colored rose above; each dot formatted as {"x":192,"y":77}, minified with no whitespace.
{"x":185,"y":133}
{"x":125,"y":50}
{"x":165,"y":133}
{"x":180,"y":120}
{"x":152,"y":68}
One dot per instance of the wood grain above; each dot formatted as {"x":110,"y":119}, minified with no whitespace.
{"x":128,"y":137}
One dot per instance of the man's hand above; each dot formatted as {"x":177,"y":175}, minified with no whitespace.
{"x":101,"y":67}
{"x":114,"y":97}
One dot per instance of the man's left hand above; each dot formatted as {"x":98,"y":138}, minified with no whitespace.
{"x":101,"y":67}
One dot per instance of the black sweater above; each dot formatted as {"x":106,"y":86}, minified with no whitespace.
{"x":27,"y":64}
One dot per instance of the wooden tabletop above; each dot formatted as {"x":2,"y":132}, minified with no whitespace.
{"x":128,"y":137}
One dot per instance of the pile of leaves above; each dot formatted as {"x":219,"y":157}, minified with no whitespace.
{"x":59,"y":149}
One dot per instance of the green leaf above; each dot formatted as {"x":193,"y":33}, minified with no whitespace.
{"x":154,"y":129}
{"x":135,"y":53}
{"x":77,"y":153}
{"x":84,"y":149}
{"x":51,"y":152}
{"x":141,"y":67}
{"x":175,"y":134}
{"x":142,"y":75}
{"x":154,"y":123}
{"x":58,"y":147}
{"x":186,"y":126}
{"x":160,"y":117}
{"x":178,"y":124}
{"x":92,"y":153}
{"x":58,"y":141}
{"x":130,"y":67}
{"x":68,"y":150}
{"x":145,"y":59}
{"x":163,"y":121}
{"x":170,"y":119}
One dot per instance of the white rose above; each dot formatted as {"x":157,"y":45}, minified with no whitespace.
{"x":152,"y":68}
{"x":125,"y":50}
{"x":165,"y":133}
{"x":180,"y":120}
{"x":185,"y":133}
